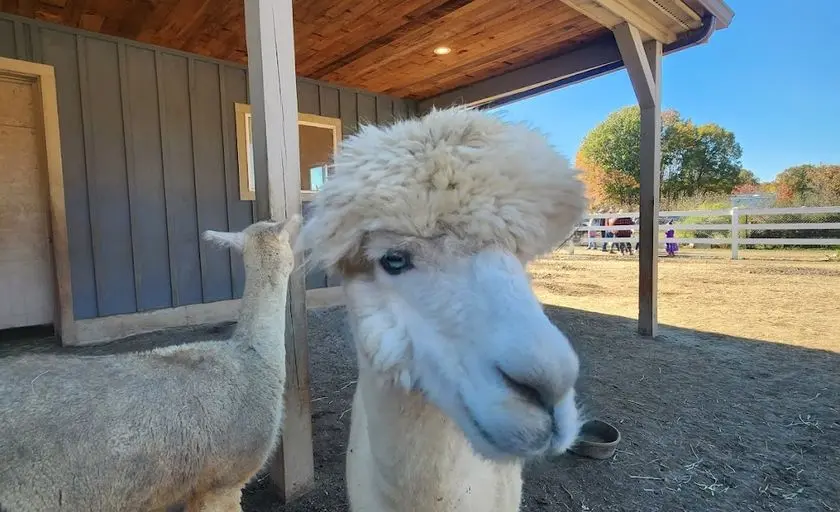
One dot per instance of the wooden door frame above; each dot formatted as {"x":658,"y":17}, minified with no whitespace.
{"x":42,"y":77}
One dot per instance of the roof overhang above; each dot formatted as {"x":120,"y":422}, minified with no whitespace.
{"x":500,"y":51}
{"x":598,"y":57}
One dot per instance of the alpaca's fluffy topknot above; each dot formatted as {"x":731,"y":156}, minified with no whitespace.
{"x":457,"y":171}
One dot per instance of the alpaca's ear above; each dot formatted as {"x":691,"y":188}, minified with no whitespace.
{"x":292,"y":227}
{"x":234,"y":240}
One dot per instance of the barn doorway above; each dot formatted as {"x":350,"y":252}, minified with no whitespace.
{"x":35,"y":288}
{"x":27,"y":277}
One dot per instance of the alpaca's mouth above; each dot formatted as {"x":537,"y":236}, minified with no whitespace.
{"x":516,"y":444}
{"x":481,"y":430}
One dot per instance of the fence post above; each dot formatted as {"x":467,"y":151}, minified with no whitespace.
{"x":734,"y":234}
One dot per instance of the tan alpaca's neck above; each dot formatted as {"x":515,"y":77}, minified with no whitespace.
{"x":406,"y":455}
{"x":263,"y":312}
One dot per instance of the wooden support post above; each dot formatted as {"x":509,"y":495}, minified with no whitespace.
{"x":644,"y":64}
{"x":273,"y":96}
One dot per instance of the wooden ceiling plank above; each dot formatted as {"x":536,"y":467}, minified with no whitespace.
{"x":132,"y":23}
{"x":155,"y":21}
{"x":419,"y":22}
{"x":378,"y":45}
{"x":488,"y":67}
{"x":530,"y":54}
{"x":73,"y":12}
{"x":27,"y":7}
{"x":219,"y":15}
{"x":428,"y":36}
{"x":185,"y":15}
{"x":358,"y":35}
{"x":425,"y":66}
{"x":475,"y":44}
{"x":313,"y":14}
{"x":375,"y":25}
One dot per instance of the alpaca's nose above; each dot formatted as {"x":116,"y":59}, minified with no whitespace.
{"x":533,"y":392}
{"x":542,"y":379}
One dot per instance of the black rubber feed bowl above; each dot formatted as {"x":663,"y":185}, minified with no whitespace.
{"x":597,"y":440}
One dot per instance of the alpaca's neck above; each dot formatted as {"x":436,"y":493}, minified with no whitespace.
{"x":262,"y":316}
{"x":418,"y":459}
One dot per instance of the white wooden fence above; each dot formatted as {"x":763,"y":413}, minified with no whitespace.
{"x":737,"y":227}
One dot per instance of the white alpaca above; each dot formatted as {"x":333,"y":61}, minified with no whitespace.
{"x":462,"y":377}
{"x":188,"y":424}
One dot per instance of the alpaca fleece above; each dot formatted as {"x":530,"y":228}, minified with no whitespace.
{"x":454,"y":172}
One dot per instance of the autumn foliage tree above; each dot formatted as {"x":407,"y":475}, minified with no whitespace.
{"x":702,"y":159}
{"x":809,"y":184}
{"x":748,"y":183}
{"x":603,"y":186}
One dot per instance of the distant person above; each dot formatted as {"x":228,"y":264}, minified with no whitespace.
{"x":609,"y":234}
{"x":624,"y":247}
{"x":636,"y":232}
{"x":594,"y":234}
{"x":670,"y":247}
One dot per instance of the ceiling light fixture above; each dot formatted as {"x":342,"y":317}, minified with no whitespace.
{"x":442,"y":50}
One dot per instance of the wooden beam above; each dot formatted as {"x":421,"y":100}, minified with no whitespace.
{"x":273,"y":97}
{"x":536,"y":75}
{"x":595,"y":11}
{"x":632,"y":50}
{"x":612,"y":13}
{"x":644,"y":64}
{"x":650,"y":157}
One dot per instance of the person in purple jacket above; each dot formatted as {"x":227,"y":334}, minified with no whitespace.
{"x":670,"y":247}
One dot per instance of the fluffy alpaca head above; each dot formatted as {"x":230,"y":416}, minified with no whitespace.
{"x":430,"y":221}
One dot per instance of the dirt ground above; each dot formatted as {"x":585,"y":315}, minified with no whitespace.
{"x":784,"y":296}
{"x":723,"y":422}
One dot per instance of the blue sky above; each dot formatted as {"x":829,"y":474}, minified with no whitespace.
{"x":772,"y":78}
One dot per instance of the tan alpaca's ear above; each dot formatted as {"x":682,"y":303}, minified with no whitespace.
{"x":225,"y":239}
{"x":292,"y":227}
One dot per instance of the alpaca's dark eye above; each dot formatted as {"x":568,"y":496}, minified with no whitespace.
{"x":396,"y":262}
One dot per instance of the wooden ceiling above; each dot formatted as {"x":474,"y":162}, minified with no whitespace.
{"x":384,"y":46}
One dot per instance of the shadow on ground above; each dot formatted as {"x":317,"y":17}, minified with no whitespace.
{"x":709,"y":422}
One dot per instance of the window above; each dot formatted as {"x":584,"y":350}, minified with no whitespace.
{"x":245,"y":151}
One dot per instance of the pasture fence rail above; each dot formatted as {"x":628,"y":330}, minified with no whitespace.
{"x":737,"y":228}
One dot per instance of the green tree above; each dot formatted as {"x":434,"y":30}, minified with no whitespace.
{"x":748,"y":183}
{"x":695,"y":159}
{"x":747,"y":177}
{"x":708,"y":161}
{"x":611,"y":150}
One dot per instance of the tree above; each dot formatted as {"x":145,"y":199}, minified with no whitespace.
{"x":809,"y":184}
{"x":748,"y":183}
{"x":603,"y":186}
{"x":695,"y":159}
{"x":793,"y":183}
{"x":708,"y":160}
{"x":747,"y":177}
{"x":610,"y":153}
{"x":826,"y":180}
